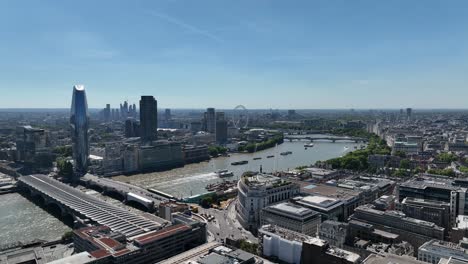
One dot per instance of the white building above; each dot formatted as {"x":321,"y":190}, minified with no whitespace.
{"x":256,"y":192}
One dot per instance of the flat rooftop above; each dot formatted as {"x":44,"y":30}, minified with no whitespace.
{"x":328,"y":191}
{"x":390,"y":258}
{"x":319,"y":202}
{"x":292,"y":209}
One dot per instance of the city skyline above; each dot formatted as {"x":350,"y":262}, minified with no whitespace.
{"x":310,"y":55}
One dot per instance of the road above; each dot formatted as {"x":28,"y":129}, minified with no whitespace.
{"x":225,"y":225}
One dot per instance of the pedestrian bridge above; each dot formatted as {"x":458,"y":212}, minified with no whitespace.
{"x":81,"y":205}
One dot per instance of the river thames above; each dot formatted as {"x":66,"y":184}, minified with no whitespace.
{"x":21,"y":220}
{"x":193,"y":178}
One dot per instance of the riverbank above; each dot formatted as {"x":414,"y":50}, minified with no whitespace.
{"x":193,"y":178}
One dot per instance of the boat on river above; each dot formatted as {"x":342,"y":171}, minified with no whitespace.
{"x":224,"y":173}
{"x":257,"y":158}
{"x":286,"y":153}
{"x":242,"y":162}
{"x":309,"y":145}
{"x":270,"y":156}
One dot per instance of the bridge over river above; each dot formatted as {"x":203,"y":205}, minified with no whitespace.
{"x":80,"y":205}
{"x":329,"y":138}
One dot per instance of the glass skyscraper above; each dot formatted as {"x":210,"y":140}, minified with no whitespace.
{"x":79,"y":124}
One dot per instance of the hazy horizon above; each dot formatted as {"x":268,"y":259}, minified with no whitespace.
{"x":261,"y":54}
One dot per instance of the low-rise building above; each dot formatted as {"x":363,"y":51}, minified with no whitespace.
{"x":435,"y":250}
{"x":106,"y":246}
{"x":390,"y":258}
{"x":292,"y":217}
{"x":194,"y":154}
{"x":436,"y":212}
{"x":334,"y":232}
{"x":415,"y":231}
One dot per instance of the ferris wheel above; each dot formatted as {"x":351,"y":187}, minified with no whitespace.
{"x":240,"y":117}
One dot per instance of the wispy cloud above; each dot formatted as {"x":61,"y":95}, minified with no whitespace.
{"x":184,"y":25}
{"x":82,"y":44}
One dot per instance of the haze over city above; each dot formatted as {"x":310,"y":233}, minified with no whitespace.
{"x":263,"y":54}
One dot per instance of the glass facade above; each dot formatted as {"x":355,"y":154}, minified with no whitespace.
{"x":79,"y":124}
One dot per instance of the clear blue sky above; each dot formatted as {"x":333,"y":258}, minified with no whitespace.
{"x":262,"y":54}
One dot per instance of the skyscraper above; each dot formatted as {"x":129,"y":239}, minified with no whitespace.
{"x":79,"y":124}
{"x":409,"y":112}
{"x":148,"y":118}
{"x":221,"y":128}
{"x":210,"y":120}
{"x":107,"y":113}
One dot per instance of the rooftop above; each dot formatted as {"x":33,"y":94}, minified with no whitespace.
{"x":319,"y":202}
{"x":290,"y":208}
{"x":390,"y":258}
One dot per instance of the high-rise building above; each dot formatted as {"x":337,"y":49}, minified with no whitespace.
{"x":409,"y":112}
{"x":221,"y":128}
{"x":107,"y":113}
{"x":167,"y":115}
{"x":148,"y":118}
{"x":210,"y":120}
{"x":79,"y":124}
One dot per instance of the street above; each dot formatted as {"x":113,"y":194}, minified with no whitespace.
{"x":225,"y":225}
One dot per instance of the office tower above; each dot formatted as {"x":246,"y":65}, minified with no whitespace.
{"x":148,"y":118}
{"x":107,"y":113}
{"x":167,"y":115}
{"x":221,"y":128}
{"x":134,"y":112}
{"x":409,"y":112}
{"x":79,"y":124}
{"x":132,"y":128}
{"x":210,"y":120}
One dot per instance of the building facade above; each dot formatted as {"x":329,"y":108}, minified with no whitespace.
{"x":292,"y":217}
{"x":256,"y":192}
{"x":79,"y":125}
{"x":148,"y":118}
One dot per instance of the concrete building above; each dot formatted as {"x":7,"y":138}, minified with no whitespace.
{"x":210,"y":120}
{"x":329,"y":208}
{"x":107,"y":246}
{"x":316,"y":250}
{"x":436,"y":212}
{"x":32,"y":144}
{"x":334,"y":232}
{"x":79,"y":125}
{"x":221,"y":128}
{"x":132,"y":128}
{"x":415,"y":231}
{"x":292,"y":217}
{"x":439,"y":189}
{"x":215,"y":253}
{"x":435,"y":250}
{"x":405,"y":147}
{"x":192,"y":154}
{"x":160,"y":155}
{"x":256,"y":192}
{"x":292,"y":247}
{"x":148,"y":118}
{"x":390,"y":258}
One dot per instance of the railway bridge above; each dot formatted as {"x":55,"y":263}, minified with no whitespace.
{"x":79,"y":205}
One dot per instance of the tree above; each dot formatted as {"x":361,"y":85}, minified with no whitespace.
{"x":65,"y":168}
{"x":405,"y":164}
{"x":67,"y":236}
{"x":400,"y":154}
{"x":447,"y":157}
